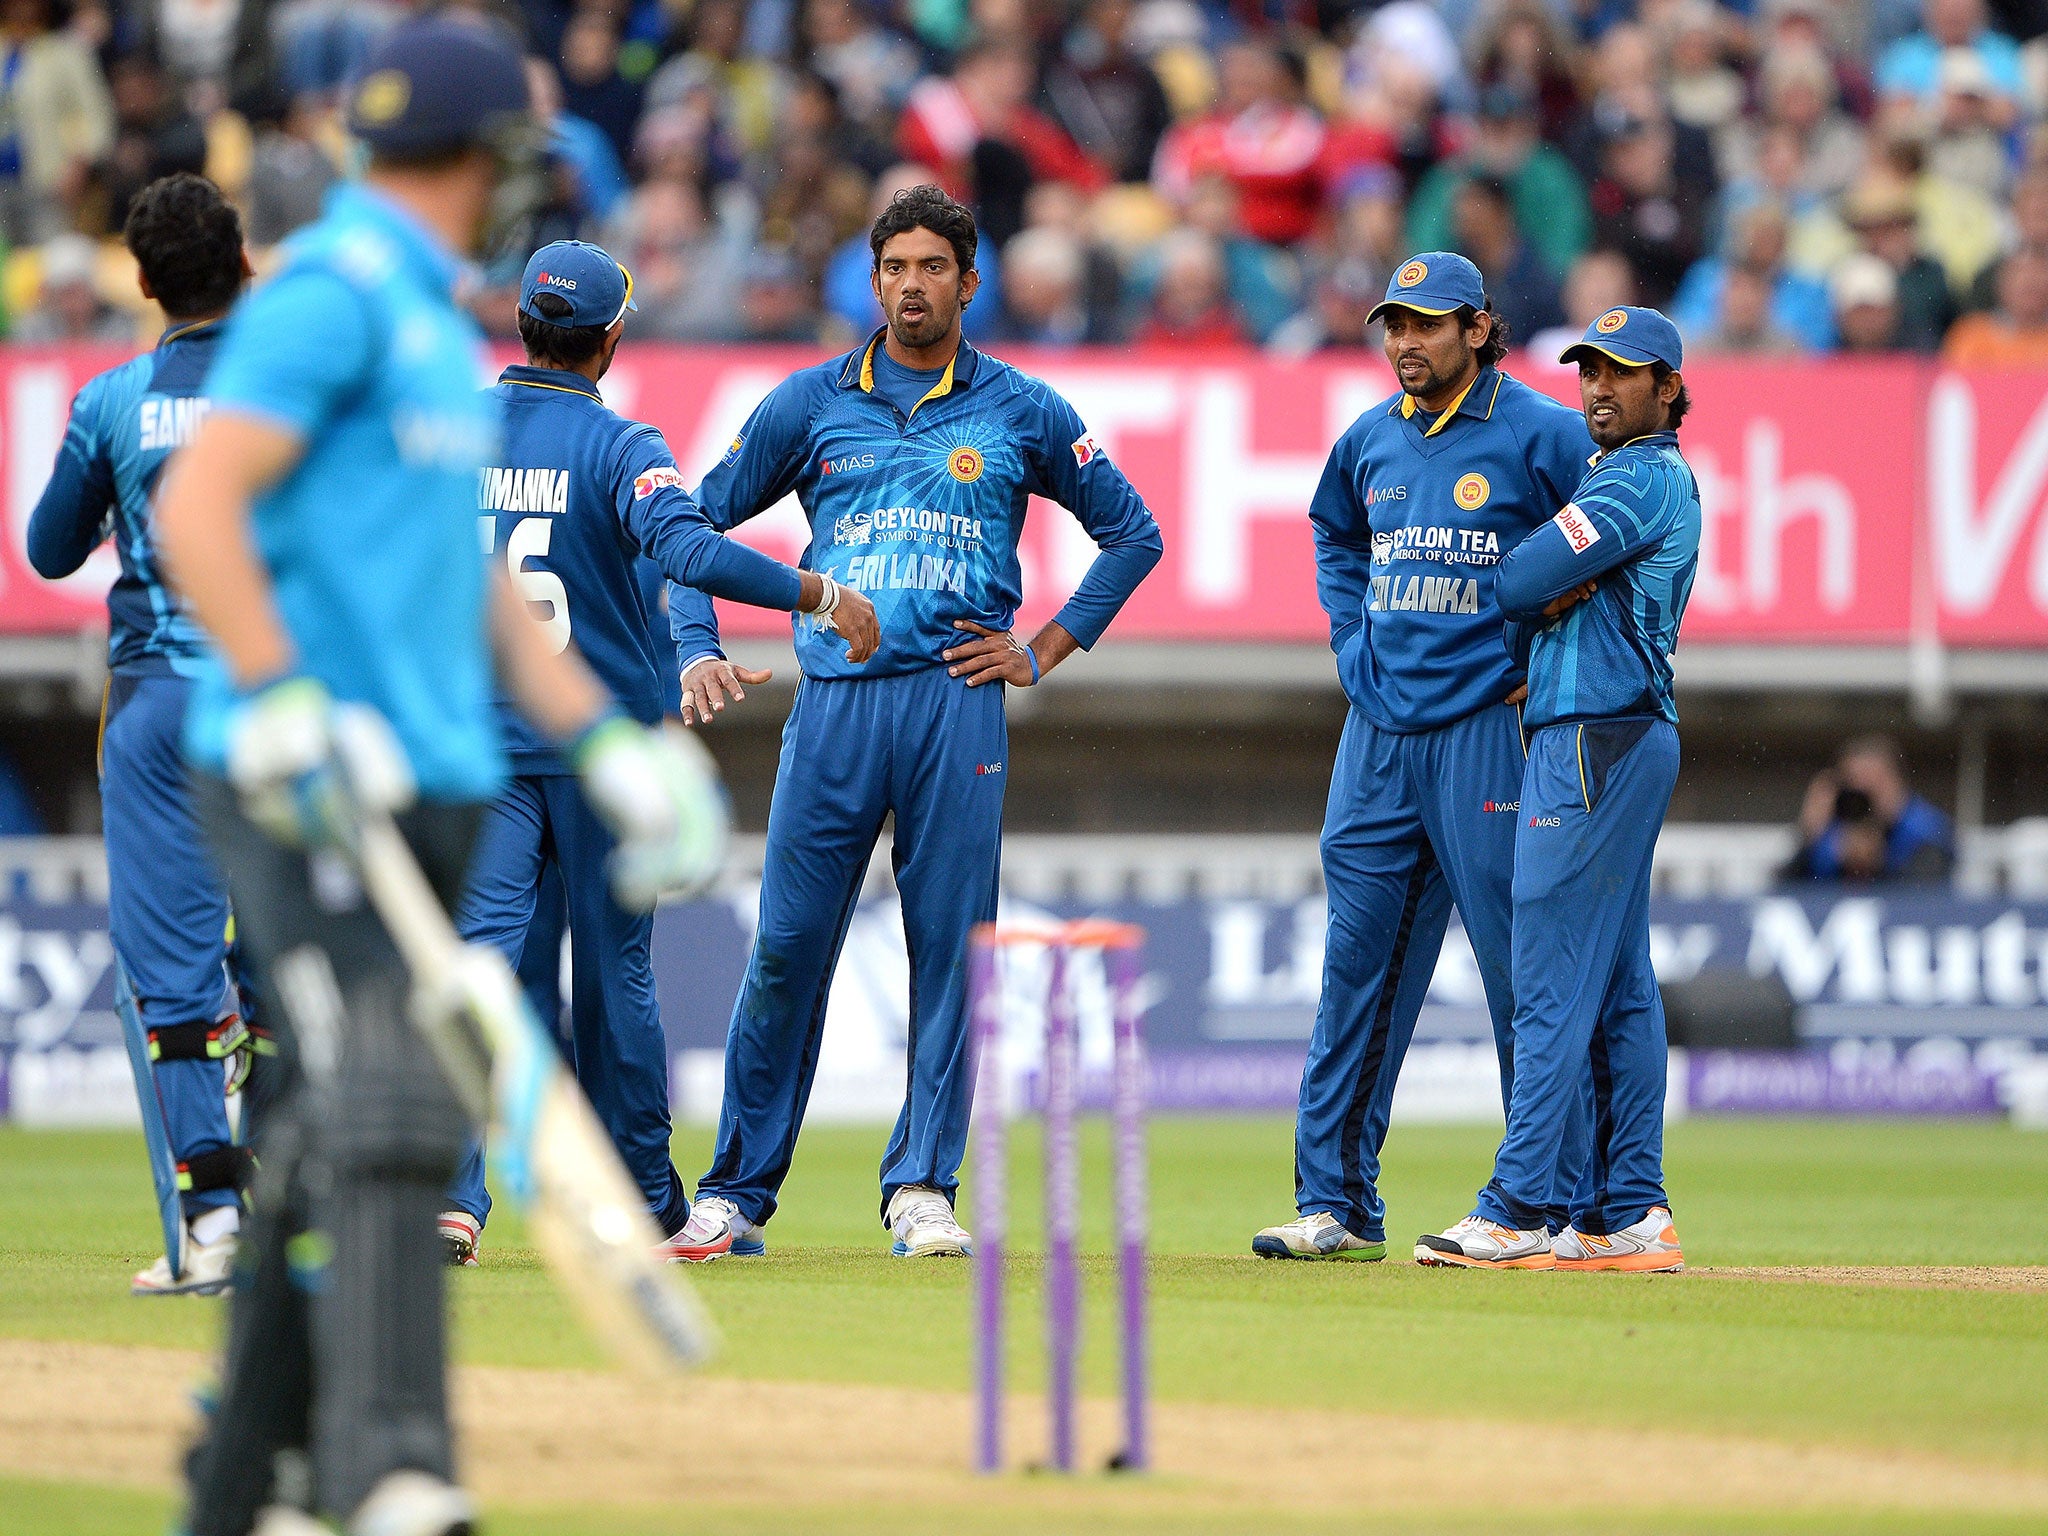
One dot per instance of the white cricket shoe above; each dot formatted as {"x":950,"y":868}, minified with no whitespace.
{"x":715,"y":1228}
{"x":283,"y":1520}
{"x":921,"y":1220}
{"x":209,"y":1269}
{"x":1476,"y":1243}
{"x":1318,"y":1235}
{"x":409,"y":1503}
{"x":1646,"y":1247}
{"x":463,"y":1235}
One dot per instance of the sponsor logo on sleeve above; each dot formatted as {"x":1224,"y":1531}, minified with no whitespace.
{"x":1578,"y":528}
{"x":1085,"y":451}
{"x":667,"y":476}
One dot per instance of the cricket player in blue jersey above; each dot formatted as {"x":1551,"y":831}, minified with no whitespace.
{"x":1595,"y":597}
{"x":322,"y":528}
{"x":574,"y":500}
{"x":913,"y":458}
{"x":167,"y":907}
{"x":1420,"y":499}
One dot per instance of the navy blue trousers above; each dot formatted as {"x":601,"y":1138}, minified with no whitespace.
{"x":1593,"y":800}
{"x":167,"y":904}
{"x":1415,"y":823}
{"x":929,"y":750}
{"x":540,"y":829}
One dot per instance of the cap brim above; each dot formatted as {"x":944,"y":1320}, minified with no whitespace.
{"x":1628,"y":357}
{"x":1421,"y":309}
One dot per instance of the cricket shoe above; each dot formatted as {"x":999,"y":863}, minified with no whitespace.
{"x":409,"y":1503}
{"x":1318,"y":1235}
{"x":715,"y":1228}
{"x":1646,"y":1247}
{"x":1476,"y":1243}
{"x":461,"y":1235}
{"x":209,"y":1270}
{"x":921,"y":1220}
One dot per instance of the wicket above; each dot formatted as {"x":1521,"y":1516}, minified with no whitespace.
{"x":1118,"y":944}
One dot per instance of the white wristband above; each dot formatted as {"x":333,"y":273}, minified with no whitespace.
{"x":828,"y":601}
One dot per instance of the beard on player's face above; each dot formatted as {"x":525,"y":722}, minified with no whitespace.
{"x":928,"y":318}
{"x":1622,"y":403}
{"x":1429,"y":354}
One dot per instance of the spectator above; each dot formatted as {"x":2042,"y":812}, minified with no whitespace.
{"x":776,"y":303}
{"x":1550,"y":201}
{"x":1522,"y":292}
{"x":1967,"y":125}
{"x":1261,"y":136}
{"x":595,"y":181}
{"x":1191,"y":304}
{"x":1800,"y":111}
{"x":1960,"y":226}
{"x":69,"y":307}
{"x":1057,"y":206}
{"x":294,"y":163}
{"x":1628,"y":76}
{"x":321,"y":43}
{"x":2015,"y":334}
{"x":1705,"y":94}
{"x":1642,"y":209}
{"x":56,"y":121}
{"x":155,"y":135}
{"x":1743,"y":323}
{"x":1860,"y":822}
{"x":1867,"y":310}
{"x":1343,"y":298}
{"x":1799,"y":303}
{"x":1909,"y":73}
{"x":1880,"y":212}
{"x":2029,"y":232}
{"x":1599,"y":281}
{"x":688,"y":270}
{"x":1105,"y":96}
{"x":1522,"y":44}
{"x":871,"y":68}
{"x":1262,"y":280}
{"x":751,"y":93}
{"x":594,"y":87}
{"x":1044,"y":295}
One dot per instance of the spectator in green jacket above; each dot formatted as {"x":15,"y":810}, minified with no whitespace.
{"x":1549,"y":198}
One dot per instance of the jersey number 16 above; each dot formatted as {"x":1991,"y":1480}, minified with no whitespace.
{"x":547,"y":600}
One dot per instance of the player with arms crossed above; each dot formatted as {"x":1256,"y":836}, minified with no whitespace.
{"x":322,"y":527}
{"x":1595,"y":597}
{"x":572,"y":503}
{"x":913,"y":457}
{"x":167,"y":907}
{"x":1418,"y":502}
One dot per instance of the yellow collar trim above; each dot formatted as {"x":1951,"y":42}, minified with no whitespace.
{"x":943,"y":387}
{"x":191,"y":329}
{"x":561,"y":389}
{"x":1408,"y":406}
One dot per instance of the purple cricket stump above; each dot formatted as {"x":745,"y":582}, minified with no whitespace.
{"x":1127,"y":1130}
{"x":1062,"y":1208}
{"x":991,"y":1188}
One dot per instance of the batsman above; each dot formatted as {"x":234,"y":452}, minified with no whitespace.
{"x":915,"y":458}
{"x":1421,"y":498}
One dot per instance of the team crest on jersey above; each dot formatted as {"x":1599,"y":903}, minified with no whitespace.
{"x":1412,"y":274}
{"x":1471,"y":491}
{"x":1612,"y":321}
{"x":964,"y":464}
{"x":666,"y":475}
{"x":1085,"y":451}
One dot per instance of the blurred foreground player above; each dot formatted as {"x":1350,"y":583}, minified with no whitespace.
{"x":322,"y":528}
{"x":571,"y":504}
{"x":167,"y":907}
{"x":914,"y":458}
{"x":1596,"y":596}
{"x":1421,"y":497}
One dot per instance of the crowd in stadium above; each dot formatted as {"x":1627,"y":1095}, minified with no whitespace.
{"x":1784,"y":176}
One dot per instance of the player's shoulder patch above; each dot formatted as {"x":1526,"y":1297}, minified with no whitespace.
{"x":1579,"y":530}
{"x":1085,"y":450}
{"x":661,"y":477}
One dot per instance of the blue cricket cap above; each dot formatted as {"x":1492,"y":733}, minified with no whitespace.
{"x":1637,"y":337}
{"x":1434,"y":283}
{"x":436,"y":85}
{"x":596,"y":287}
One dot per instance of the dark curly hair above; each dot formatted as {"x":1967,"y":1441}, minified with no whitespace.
{"x":187,"y":238}
{"x":927,"y":207}
{"x":1674,"y":413}
{"x":1498,"y":340}
{"x":551,"y":344}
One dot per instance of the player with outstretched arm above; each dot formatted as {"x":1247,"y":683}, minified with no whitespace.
{"x":1420,"y":498}
{"x":1594,"y":598}
{"x":914,"y":457}
{"x":575,"y":504}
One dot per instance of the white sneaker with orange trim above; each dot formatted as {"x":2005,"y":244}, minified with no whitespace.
{"x":1646,"y":1247}
{"x":1476,"y":1243}
{"x":461,"y":1236}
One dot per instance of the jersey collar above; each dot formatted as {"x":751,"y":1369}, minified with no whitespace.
{"x":1665,"y":439}
{"x":562,"y":379}
{"x":185,"y":330}
{"x":1475,"y":399}
{"x":859,"y":372}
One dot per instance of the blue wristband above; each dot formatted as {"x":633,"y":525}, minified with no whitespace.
{"x":1032,"y":656}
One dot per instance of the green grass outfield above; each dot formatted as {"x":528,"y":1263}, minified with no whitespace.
{"x":1960,"y":1374}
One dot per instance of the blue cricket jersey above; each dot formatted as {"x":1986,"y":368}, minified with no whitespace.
{"x":921,"y":511}
{"x":572,"y":501}
{"x":357,"y":348}
{"x":124,"y":425}
{"x":1411,"y":519}
{"x":1634,"y":527}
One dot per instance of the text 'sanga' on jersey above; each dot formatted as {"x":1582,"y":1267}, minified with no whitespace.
{"x":922,"y":513}
{"x":1634,"y":529}
{"x":1411,"y":519}
{"x":572,"y":502}
{"x":357,"y":349}
{"x":124,"y":426}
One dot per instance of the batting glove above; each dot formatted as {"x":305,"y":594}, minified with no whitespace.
{"x":288,"y":742}
{"x":659,"y":792}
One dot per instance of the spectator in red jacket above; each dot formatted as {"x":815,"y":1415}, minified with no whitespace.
{"x":1262,"y":137}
